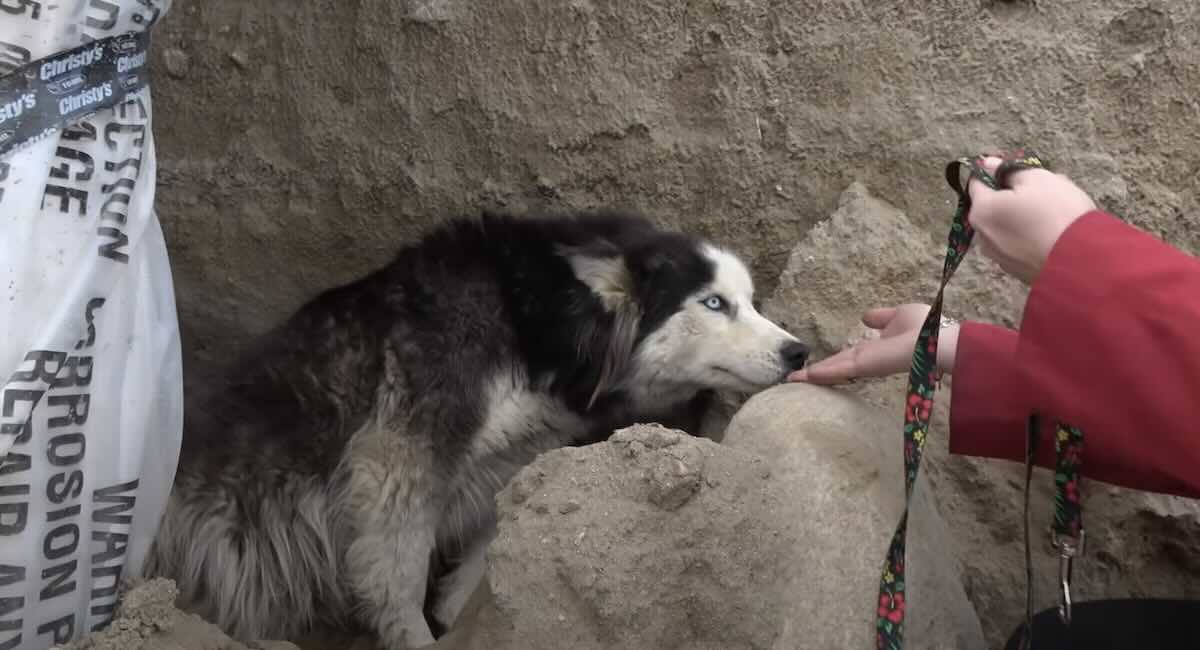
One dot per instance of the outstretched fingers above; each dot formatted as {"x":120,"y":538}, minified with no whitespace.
{"x":835,"y":369}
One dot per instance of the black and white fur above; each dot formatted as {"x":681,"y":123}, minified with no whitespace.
{"x":368,"y":435}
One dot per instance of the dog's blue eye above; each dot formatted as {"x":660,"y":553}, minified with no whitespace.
{"x":715,"y":303}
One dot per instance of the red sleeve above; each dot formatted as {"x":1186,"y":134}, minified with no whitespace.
{"x":1106,"y":343}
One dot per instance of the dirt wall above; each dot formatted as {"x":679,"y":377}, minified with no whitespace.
{"x":302,"y":142}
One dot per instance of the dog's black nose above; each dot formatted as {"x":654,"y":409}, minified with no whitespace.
{"x":794,"y":355}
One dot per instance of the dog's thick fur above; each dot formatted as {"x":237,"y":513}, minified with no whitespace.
{"x":368,"y":435}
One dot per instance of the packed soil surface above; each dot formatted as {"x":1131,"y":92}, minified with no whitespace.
{"x":300,"y":143}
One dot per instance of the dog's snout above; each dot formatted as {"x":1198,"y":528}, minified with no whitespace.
{"x":794,"y":354}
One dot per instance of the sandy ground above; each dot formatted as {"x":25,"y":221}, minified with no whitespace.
{"x":147,"y":619}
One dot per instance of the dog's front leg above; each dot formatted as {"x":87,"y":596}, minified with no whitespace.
{"x":388,"y":560}
{"x":388,"y":569}
{"x":457,"y":588}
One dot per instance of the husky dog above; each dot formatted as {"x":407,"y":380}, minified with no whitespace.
{"x":368,"y":435}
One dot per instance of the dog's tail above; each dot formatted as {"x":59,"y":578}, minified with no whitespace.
{"x":261,"y":567}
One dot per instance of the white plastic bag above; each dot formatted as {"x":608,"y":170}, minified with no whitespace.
{"x":91,"y":396}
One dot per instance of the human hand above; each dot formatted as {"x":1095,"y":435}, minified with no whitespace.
{"x":890,"y":354}
{"x":1018,"y":227}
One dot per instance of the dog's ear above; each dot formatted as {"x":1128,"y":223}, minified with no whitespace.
{"x":603,"y":270}
{"x":656,"y":262}
{"x":660,"y":258}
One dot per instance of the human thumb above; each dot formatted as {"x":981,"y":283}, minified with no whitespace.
{"x":977,"y":189}
{"x":879,"y":317}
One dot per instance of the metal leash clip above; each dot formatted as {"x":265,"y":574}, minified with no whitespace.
{"x":1067,"y":548}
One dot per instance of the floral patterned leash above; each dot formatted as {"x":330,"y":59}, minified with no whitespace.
{"x":1067,"y":531}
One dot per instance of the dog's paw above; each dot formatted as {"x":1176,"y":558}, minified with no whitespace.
{"x":407,"y":634}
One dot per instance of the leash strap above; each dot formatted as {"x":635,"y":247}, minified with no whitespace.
{"x":923,"y":380}
{"x":1067,"y":533}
